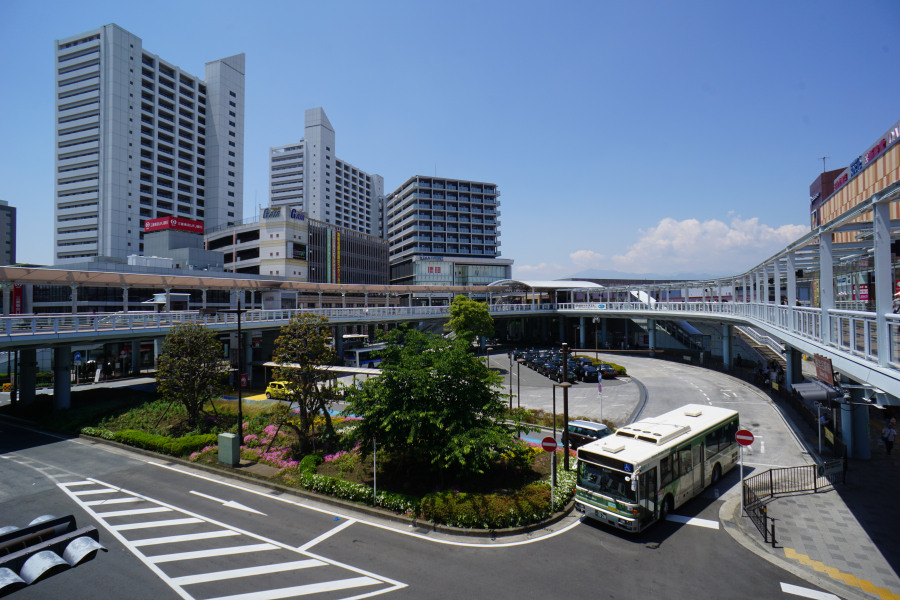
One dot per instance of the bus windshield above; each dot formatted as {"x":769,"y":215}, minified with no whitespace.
{"x":605,"y":481}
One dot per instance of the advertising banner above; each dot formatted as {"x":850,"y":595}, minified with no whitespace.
{"x":176,"y":223}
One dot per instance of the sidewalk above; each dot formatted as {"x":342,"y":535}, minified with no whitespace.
{"x":846,"y":540}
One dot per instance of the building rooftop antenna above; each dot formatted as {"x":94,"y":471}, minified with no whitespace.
{"x":823,"y":163}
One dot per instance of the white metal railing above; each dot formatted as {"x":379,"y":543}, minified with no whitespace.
{"x":854,"y":332}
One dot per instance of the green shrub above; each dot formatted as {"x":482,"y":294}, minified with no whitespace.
{"x":310,"y":463}
{"x":488,"y":511}
{"x":165,"y":445}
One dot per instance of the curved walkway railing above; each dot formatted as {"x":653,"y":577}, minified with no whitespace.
{"x":852,"y":332}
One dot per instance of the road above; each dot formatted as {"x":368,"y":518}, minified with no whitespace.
{"x":174,"y":532}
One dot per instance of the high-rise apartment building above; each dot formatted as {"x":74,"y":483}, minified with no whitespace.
{"x":7,"y":233}
{"x":308,"y":176}
{"x":139,"y":138}
{"x":445,"y":232}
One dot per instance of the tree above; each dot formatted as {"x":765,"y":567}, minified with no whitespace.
{"x":434,"y":405}
{"x":299,"y":350}
{"x":191,"y":370}
{"x":469,"y":318}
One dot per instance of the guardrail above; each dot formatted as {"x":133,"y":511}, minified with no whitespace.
{"x":853,"y":332}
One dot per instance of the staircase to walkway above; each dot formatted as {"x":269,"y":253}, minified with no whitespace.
{"x":765,"y":351}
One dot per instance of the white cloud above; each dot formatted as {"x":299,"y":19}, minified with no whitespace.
{"x":540,"y":272}
{"x":587,"y":259}
{"x":709,"y":246}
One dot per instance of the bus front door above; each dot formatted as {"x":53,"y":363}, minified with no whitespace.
{"x":647,"y":496}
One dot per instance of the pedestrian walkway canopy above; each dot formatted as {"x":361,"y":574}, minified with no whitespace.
{"x":537,"y":290}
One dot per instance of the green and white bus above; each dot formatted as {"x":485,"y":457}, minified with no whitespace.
{"x":647,"y":469}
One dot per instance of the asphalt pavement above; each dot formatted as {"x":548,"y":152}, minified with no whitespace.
{"x":843,"y":539}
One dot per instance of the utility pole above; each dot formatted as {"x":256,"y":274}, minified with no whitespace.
{"x":565,"y":387}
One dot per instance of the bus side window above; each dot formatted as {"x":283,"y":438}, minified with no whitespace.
{"x":686,"y":459}
{"x":665,"y":472}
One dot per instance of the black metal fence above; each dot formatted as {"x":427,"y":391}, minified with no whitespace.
{"x":762,"y":488}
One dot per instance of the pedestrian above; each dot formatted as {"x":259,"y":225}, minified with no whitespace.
{"x":888,"y":434}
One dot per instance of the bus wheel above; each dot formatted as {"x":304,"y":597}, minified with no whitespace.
{"x":268,"y":396}
{"x":717,"y":473}
{"x":665,"y":508}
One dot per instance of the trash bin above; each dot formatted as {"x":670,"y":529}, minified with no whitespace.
{"x":229,"y":450}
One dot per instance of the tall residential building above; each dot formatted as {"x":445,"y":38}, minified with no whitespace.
{"x":139,"y":138}
{"x":7,"y":233}
{"x":308,"y":176}
{"x":445,"y":232}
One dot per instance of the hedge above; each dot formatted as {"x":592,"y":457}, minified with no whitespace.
{"x":156,"y":443}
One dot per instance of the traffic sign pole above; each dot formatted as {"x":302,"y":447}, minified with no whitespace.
{"x":744,"y":438}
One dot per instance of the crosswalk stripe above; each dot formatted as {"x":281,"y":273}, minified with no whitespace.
{"x":247,"y":572}
{"x":184,"y":538}
{"x":113,"y":501}
{"x":93,"y":492}
{"x":149,"y":524}
{"x":303,"y":590}
{"x":212,"y":552}
{"x":136,"y":511}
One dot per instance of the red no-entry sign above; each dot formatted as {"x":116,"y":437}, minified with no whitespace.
{"x":548,"y":444}
{"x":743,"y":437}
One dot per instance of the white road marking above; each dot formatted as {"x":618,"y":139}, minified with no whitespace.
{"x":575,"y":522}
{"x":228,"y":503}
{"x":303,"y":590}
{"x":190,"y":537}
{"x":136,"y":511}
{"x":154,"y":524}
{"x":693,"y":521}
{"x":158,"y":563}
{"x":326,"y":535}
{"x":806,"y":592}
{"x":95,"y":492}
{"x":246,"y":572}
{"x":211,"y":552}
{"x":111,"y":501}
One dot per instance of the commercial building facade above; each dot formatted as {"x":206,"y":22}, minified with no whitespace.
{"x":307,"y":175}
{"x":283,"y":242}
{"x":445,"y":232}
{"x":139,"y":138}
{"x":834,"y":193}
{"x":7,"y":233}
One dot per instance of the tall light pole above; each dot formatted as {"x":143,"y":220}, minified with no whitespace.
{"x":510,"y":379}
{"x":239,"y":311}
{"x":518,"y":382}
{"x":565,"y":386}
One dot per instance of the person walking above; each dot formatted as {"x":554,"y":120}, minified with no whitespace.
{"x":888,"y":434}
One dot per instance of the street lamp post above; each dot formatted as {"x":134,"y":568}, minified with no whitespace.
{"x":239,"y":311}
{"x":519,"y":362}
{"x":565,"y":386}
{"x":510,"y":379}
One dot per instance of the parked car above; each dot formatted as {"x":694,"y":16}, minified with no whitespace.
{"x":590,"y":374}
{"x":557,"y":375}
{"x":278,"y":390}
{"x":608,"y":371}
{"x":583,"y":432}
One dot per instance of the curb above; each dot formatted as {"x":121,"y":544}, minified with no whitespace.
{"x":731,"y":518}
{"x":337,"y":502}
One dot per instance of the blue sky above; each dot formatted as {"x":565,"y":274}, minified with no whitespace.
{"x":643,"y":137}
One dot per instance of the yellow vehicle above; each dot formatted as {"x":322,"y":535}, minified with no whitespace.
{"x":278,"y":390}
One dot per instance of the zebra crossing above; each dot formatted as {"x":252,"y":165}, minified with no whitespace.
{"x":194,"y":555}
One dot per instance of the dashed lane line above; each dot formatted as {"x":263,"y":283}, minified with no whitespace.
{"x":846,"y":578}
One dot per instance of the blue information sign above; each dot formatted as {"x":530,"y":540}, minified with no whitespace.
{"x":599,"y":386}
